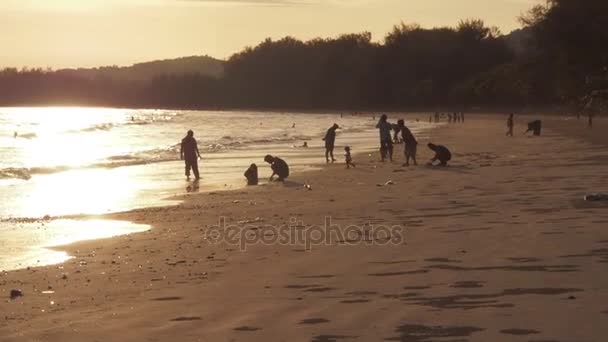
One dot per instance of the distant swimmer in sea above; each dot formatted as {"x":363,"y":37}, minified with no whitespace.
{"x":348,"y":158}
{"x":441,"y":153}
{"x":15,"y":135}
{"x":294,"y":125}
{"x":279,"y":167}
{"x":252,"y":175}
{"x":330,"y":140}
{"x":386,"y":142}
{"x":510,"y":123}
{"x":190,"y":154}
{"x":410,"y":145}
{"x":305,"y":144}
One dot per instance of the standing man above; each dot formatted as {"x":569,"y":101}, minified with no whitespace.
{"x":386,"y":143}
{"x":510,"y":123}
{"x":410,"y":144}
{"x":330,"y":139}
{"x":190,"y":154}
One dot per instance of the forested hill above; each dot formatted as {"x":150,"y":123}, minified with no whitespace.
{"x":559,"y":57}
{"x":201,"y":65}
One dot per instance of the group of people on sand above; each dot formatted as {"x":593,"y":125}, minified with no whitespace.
{"x":452,"y":117}
{"x":442,"y":153}
{"x":190,"y":153}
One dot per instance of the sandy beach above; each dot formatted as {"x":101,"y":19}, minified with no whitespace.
{"x":499,"y":246}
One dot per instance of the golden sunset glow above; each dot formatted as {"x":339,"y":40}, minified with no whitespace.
{"x":73,"y":33}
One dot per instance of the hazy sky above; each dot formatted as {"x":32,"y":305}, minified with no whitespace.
{"x":71,"y":33}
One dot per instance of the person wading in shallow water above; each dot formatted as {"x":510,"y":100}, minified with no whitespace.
{"x":190,"y":154}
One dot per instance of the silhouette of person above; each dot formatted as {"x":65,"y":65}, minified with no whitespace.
{"x":252,"y":175}
{"x":510,"y":123}
{"x":15,"y":135}
{"x":190,"y":154}
{"x":386,"y":143}
{"x":410,"y":145}
{"x":279,"y":167}
{"x":535,"y":126}
{"x":348,"y":157}
{"x":441,"y":153}
{"x":590,"y":121}
{"x":330,"y":140}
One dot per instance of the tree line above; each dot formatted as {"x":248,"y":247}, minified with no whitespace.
{"x":559,"y":57}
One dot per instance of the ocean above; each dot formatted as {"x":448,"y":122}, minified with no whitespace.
{"x":57,"y":162}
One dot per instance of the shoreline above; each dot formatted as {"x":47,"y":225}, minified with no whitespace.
{"x":492,"y":245}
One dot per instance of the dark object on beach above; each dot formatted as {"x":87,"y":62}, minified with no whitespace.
{"x":16,"y":294}
{"x":190,"y":154}
{"x":441,"y":153}
{"x":596,"y":197}
{"x":535,"y":127}
{"x":252,"y":175}
{"x":279,"y":167}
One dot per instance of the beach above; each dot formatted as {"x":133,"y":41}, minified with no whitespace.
{"x":499,"y":246}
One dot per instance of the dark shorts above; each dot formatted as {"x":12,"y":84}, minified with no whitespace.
{"x":329,"y":145}
{"x":410,"y":150}
{"x":386,"y":144}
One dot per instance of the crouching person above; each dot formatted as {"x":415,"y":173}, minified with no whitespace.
{"x":279,"y":167}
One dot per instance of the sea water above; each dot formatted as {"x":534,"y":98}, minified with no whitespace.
{"x":57,"y":161}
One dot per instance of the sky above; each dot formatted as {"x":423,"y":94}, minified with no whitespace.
{"x":87,"y":33}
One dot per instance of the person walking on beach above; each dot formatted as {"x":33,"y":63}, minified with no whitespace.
{"x":190,"y":154}
{"x":410,"y":145}
{"x":386,"y":143}
{"x":348,"y":158}
{"x":330,"y":140}
{"x":279,"y":167}
{"x":441,"y":153}
{"x":510,"y":124}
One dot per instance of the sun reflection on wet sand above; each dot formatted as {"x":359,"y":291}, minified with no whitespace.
{"x":31,"y":244}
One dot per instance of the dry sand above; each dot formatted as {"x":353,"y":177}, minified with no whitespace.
{"x":497,"y":247}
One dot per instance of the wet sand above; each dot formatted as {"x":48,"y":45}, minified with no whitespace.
{"x":497,"y":247}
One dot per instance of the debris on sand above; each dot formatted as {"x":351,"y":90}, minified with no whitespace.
{"x":16,"y":294}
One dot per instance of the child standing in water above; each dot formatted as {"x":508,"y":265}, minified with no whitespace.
{"x":348,"y":157}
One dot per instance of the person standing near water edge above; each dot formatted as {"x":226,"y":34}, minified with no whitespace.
{"x":510,"y":124}
{"x":330,"y":140}
{"x":410,"y":144}
{"x":386,"y":142}
{"x":190,"y":154}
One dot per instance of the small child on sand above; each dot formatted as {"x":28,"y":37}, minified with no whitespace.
{"x":348,"y":157}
